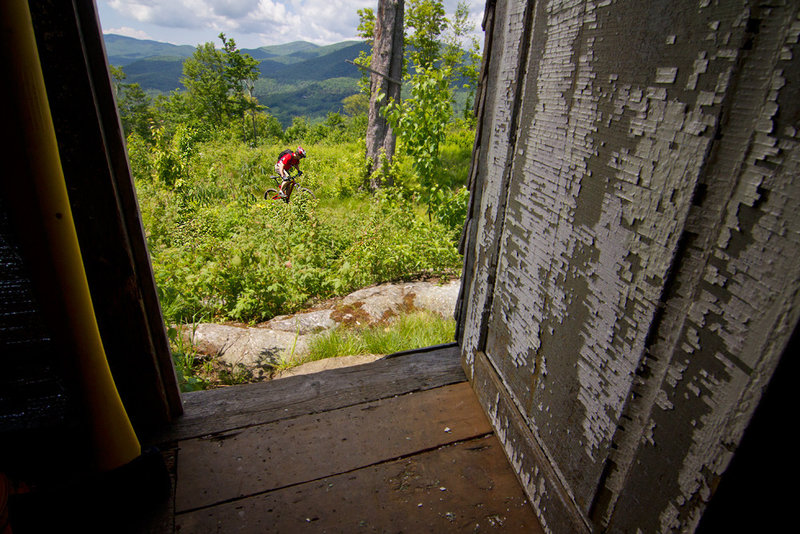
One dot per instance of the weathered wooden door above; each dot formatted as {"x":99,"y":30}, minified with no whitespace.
{"x":630,"y":253}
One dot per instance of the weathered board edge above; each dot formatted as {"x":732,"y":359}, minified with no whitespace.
{"x":551,"y":502}
{"x":499,"y":113}
{"x":219,"y":410}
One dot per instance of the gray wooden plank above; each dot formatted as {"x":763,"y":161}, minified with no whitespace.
{"x":291,"y":451}
{"x":220,"y":410}
{"x":466,"y":487}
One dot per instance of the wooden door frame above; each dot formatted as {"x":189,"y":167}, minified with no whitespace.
{"x":104,"y":205}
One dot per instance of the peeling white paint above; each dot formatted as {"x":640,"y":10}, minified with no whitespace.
{"x":607,"y":161}
{"x":666,"y":75}
{"x":508,"y":31}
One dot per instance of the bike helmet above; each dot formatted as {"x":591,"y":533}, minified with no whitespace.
{"x":300,"y":152}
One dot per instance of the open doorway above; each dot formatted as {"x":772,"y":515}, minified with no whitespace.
{"x":249,"y":286}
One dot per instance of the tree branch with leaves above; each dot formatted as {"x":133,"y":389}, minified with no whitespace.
{"x":219,"y":83}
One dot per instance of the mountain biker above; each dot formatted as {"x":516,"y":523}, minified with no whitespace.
{"x":287,"y":161}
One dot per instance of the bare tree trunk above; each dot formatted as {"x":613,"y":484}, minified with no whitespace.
{"x":387,"y":59}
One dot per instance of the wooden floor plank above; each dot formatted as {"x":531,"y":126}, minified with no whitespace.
{"x":214,"y":411}
{"x":465,"y":487}
{"x":291,"y":451}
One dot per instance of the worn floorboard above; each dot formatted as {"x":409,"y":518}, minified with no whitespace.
{"x":464,"y":487}
{"x":397,"y":445}
{"x":291,"y":451}
{"x":220,"y":410}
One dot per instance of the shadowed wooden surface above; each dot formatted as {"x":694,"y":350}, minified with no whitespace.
{"x":397,"y":445}
{"x":219,"y":410}
{"x":464,"y":487}
{"x":269,"y":456}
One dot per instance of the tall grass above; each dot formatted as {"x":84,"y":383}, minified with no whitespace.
{"x":410,"y":331}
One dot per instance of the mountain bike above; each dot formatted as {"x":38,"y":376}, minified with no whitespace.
{"x":292,"y":188}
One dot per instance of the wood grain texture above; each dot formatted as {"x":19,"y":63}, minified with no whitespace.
{"x":465,"y":487}
{"x":547,"y":490}
{"x":213,"y":411}
{"x":630,"y":279}
{"x":259,"y":458}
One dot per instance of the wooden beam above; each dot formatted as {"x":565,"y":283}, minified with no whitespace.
{"x":220,"y":410}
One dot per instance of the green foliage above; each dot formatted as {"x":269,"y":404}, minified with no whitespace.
{"x":169,"y":158}
{"x":132,"y":102}
{"x":207,"y":88}
{"x":220,"y":83}
{"x":219,"y":250}
{"x":185,"y":358}
{"x":241,"y":72}
{"x":297,"y":132}
{"x":423,"y":119}
{"x":197,"y":371}
{"x":291,"y":98}
{"x":266,"y":127}
{"x":450,"y":209}
{"x":465,"y":64}
{"x":355,"y":105}
{"x":425,"y":21}
{"x":366,"y":24}
{"x":336,"y":169}
{"x":420,"y":121}
{"x":139,"y":157}
{"x":455,"y":154}
{"x":295,"y":79}
{"x":366,"y":30}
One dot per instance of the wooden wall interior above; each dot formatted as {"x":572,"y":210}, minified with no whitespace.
{"x":631,"y":276}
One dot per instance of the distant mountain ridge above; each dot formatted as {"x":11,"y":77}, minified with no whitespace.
{"x":157,"y":65}
{"x":296,"y":79}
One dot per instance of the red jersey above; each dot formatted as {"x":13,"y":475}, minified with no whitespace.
{"x":290,"y":161}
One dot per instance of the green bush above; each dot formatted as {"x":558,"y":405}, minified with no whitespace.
{"x":220,"y":250}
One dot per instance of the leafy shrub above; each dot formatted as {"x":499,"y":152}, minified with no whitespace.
{"x":221,"y":251}
{"x":450,"y":209}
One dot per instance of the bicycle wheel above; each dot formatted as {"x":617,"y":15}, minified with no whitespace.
{"x":272,"y":194}
{"x":303,"y":193}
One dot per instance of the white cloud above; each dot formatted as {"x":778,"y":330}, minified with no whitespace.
{"x":250,"y":22}
{"x":128,"y":32}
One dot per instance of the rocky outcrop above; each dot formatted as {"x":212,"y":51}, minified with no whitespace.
{"x":286,"y":337}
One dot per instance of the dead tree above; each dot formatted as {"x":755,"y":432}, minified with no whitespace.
{"x":386,"y":70}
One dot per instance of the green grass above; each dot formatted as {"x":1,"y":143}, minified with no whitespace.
{"x":220,"y":251}
{"x":411,"y":331}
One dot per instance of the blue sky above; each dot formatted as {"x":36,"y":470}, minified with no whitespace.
{"x":251,"y":23}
